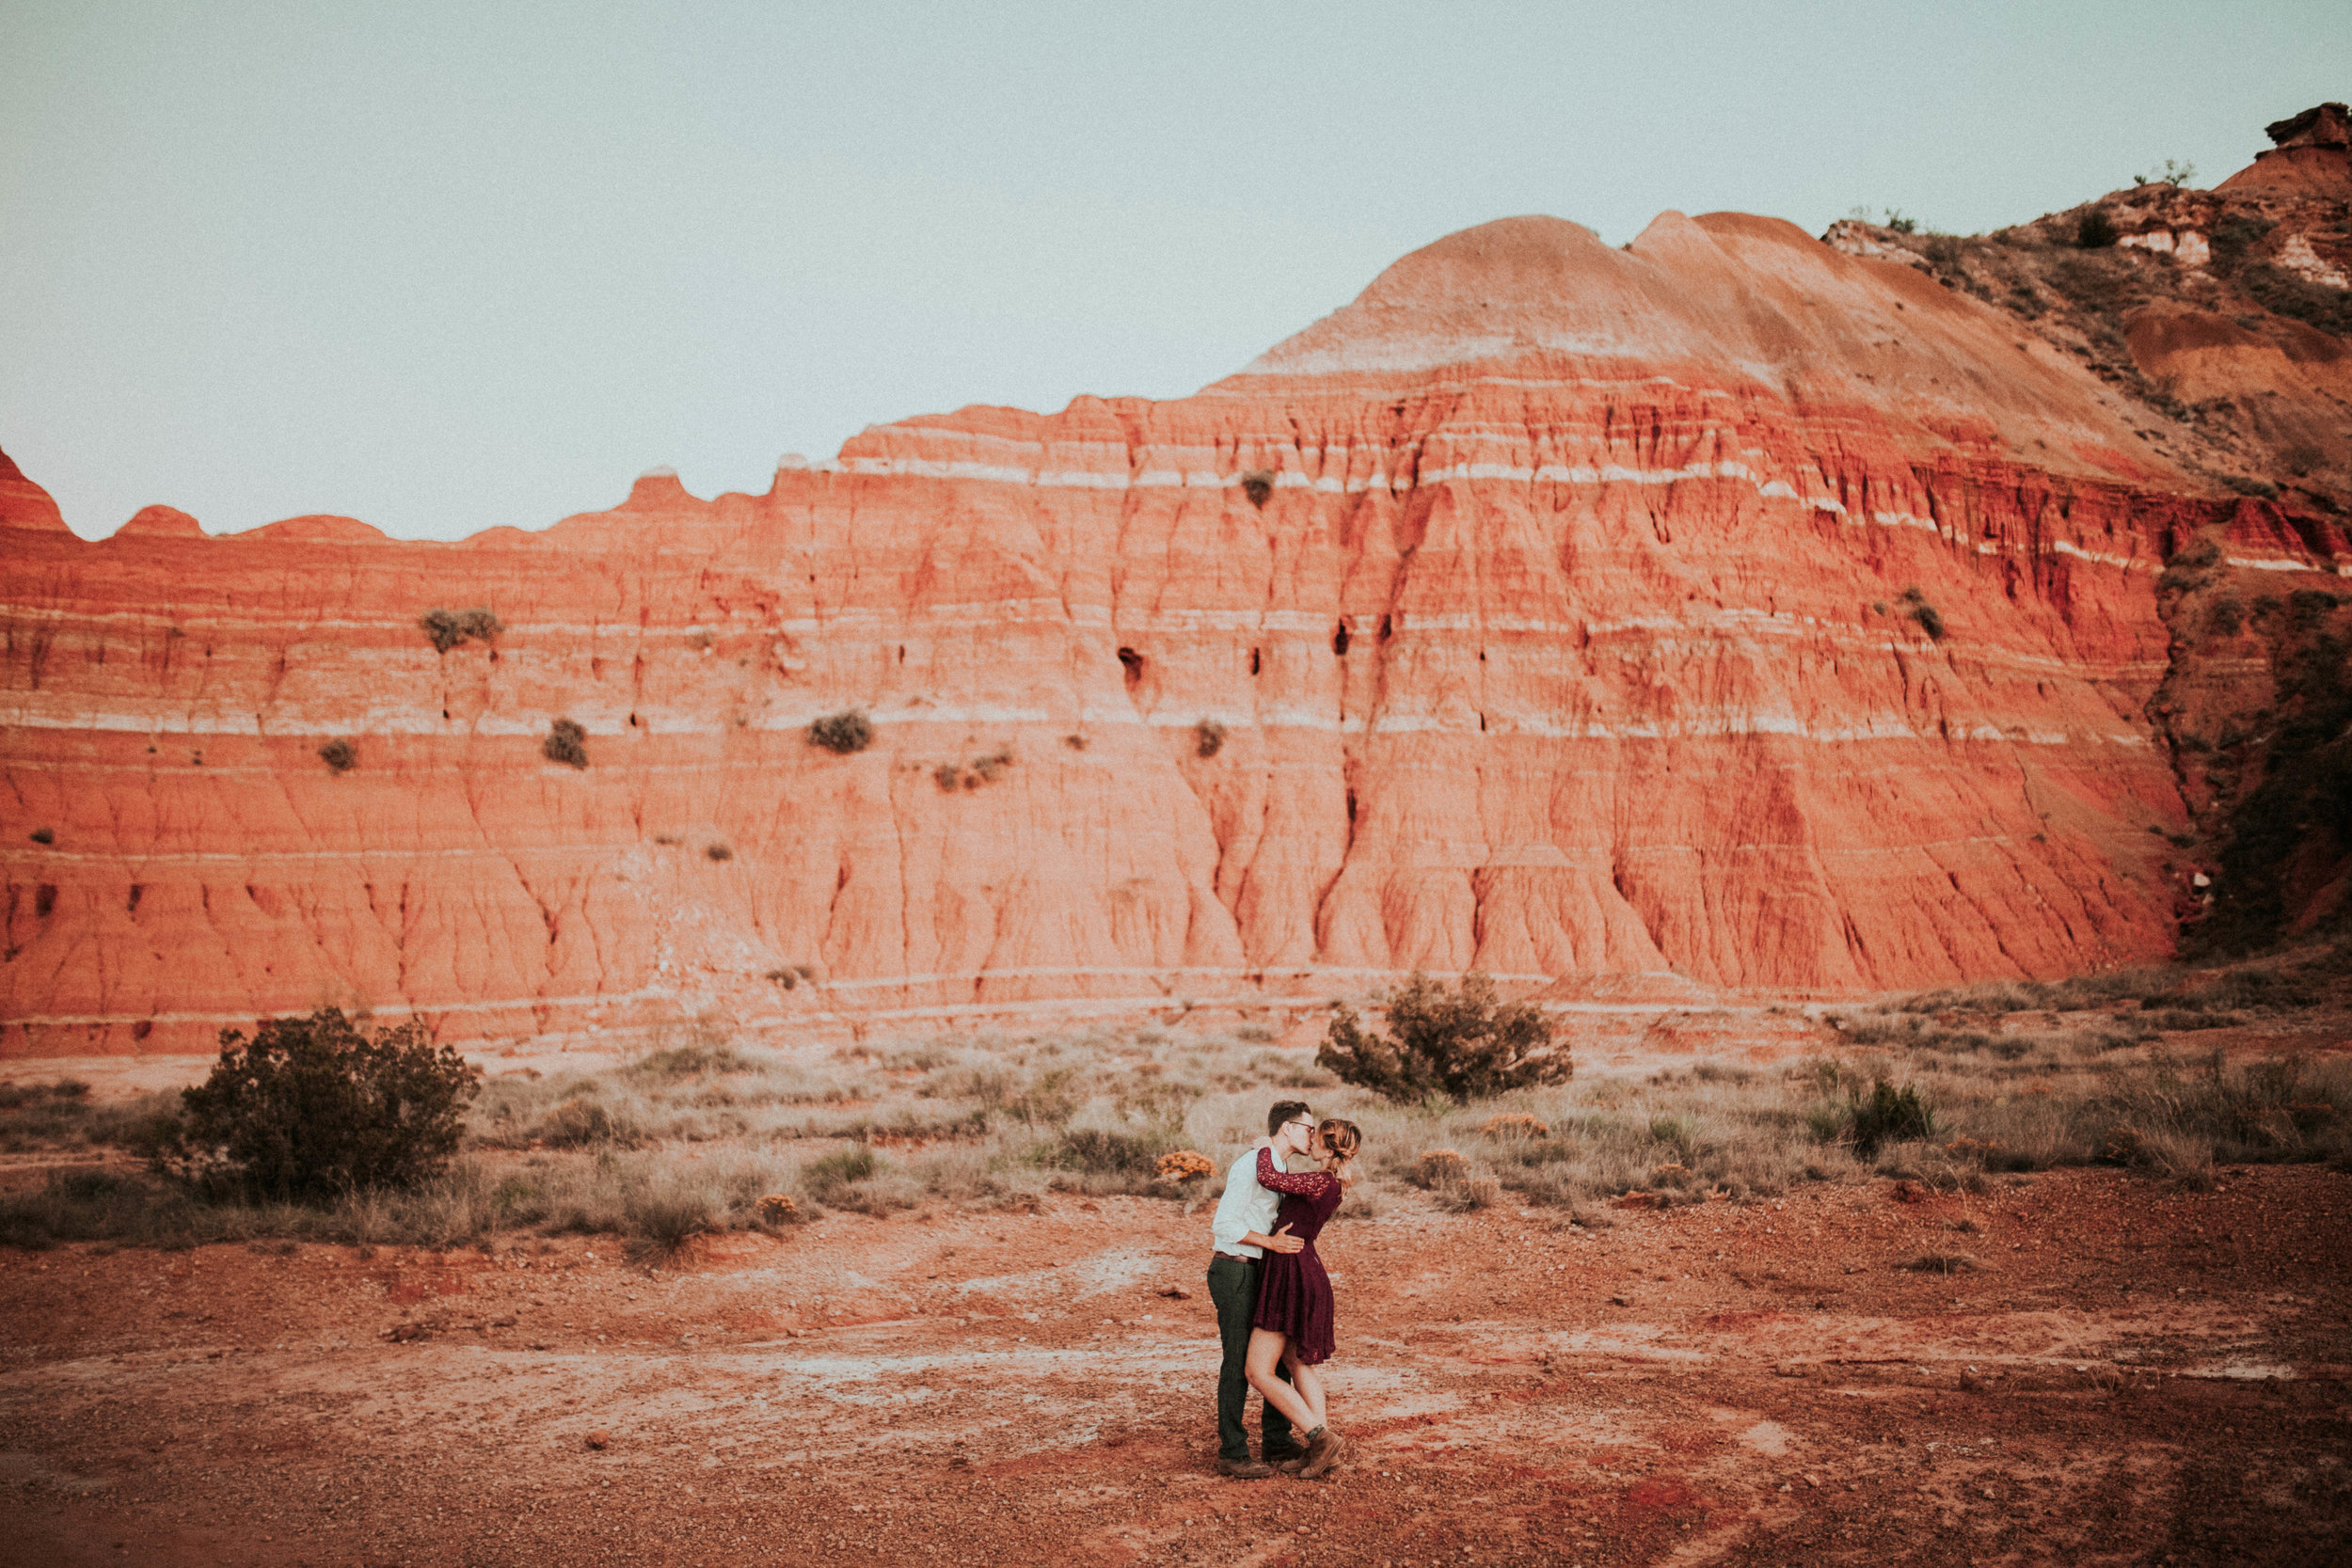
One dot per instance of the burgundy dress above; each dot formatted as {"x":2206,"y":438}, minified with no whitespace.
{"x":1294,"y":1292}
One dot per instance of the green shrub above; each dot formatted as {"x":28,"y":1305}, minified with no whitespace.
{"x":17,"y":1096}
{"x":567,"y":743}
{"x":688,"y":1061}
{"x":854,"y":1179}
{"x":340,"y":756}
{"x":313,"y":1107}
{"x":1886,"y":1114}
{"x":1096,"y":1150}
{"x":842,"y":732}
{"x":666,"y":1212}
{"x":2096,"y":231}
{"x":447,"y":628}
{"x":579,"y":1122}
{"x":43,"y":835}
{"x":1461,"y":1043}
{"x":1208,"y":739}
{"x":84,"y":1206}
{"x":1258,"y":484}
{"x":2179,"y":1019}
{"x":1047,"y":1098}
{"x":826,"y":1175}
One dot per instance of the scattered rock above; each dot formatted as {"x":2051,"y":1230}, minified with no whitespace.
{"x":599,"y":1439}
{"x":1175,"y":1292}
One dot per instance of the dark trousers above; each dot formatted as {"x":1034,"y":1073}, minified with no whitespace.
{"x":1233,"y":1291}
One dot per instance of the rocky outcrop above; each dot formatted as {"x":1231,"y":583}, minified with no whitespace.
{"x":2312,"y":157}
{"x":2220,"y":320}
{"x":1718,"y":613}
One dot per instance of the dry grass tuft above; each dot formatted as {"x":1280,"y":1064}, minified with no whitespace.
{"x":1941,"y":1262}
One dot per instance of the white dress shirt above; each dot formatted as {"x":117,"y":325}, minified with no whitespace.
{"x":1246,"y":1207}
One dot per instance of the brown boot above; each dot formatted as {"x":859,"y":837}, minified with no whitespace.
{"x":1324,"y":1448}
{"x":1243,"y":1469}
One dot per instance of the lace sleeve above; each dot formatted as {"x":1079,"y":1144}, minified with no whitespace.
{"x":1315,"y":1183}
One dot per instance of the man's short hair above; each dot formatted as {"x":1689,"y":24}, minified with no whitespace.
{"x":1284,"y":1110}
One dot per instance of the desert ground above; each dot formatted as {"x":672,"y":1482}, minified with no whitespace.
{"x":1841,"y":1361}
{"x":2136,"y":1374}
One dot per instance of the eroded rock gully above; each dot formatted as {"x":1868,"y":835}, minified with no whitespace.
{"x":1583,"y":636}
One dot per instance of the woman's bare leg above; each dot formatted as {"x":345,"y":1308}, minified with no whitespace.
{"x":1266,"y":1354}
{"x":1309,"y":1381}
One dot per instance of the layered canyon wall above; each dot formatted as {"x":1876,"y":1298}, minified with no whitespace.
{"x":1720,"y":613}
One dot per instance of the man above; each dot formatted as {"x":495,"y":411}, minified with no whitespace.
{"x":1243,"y":1215}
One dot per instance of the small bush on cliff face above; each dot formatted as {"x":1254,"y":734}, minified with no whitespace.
{"x":1208,"y":738}
{"x":313,"y":1107}
{"x":2282,"y":293}
{"x":567,"y":743}
{"x":1931,"y":619}
{"x":842,"y":732}
{"x":339,"y":755}
{"x":1258,"y":484}
{"x":973,"y":774}
{"x":2096,"y":231}
{"x":2188,"y":567}
{"x":1461,"y":1043}
{"x":2299,"y":814}
{"x":447,"y":628}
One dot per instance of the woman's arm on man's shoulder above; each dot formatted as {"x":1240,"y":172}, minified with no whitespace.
{"x":1275,"y":1180}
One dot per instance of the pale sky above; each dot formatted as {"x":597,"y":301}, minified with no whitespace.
{"x":447,"y":266}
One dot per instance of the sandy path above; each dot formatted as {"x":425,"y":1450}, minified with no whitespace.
{"x":2138,"y":1374}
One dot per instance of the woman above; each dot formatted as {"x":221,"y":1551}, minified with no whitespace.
{"x":1294,"y":1320}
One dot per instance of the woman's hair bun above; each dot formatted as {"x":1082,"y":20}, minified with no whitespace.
{"x":1343,"y":1138}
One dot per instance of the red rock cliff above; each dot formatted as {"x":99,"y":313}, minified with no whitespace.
{"x":1585,"y":631}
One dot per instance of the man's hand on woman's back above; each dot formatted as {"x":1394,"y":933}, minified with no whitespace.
{"x":1282,"y":1241}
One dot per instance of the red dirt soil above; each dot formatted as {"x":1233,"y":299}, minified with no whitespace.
{"x":2136,"y":1373}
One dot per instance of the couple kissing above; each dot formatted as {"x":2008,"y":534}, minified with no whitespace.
{"x":1273,"y":1299}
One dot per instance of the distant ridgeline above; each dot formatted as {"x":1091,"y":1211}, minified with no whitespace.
{"x":1730,"y":612}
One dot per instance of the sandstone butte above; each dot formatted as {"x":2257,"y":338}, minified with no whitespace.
{"x":1553,"y":609}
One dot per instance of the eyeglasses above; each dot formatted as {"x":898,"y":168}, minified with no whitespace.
{"x":1307,"y":1125}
